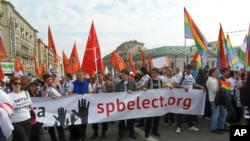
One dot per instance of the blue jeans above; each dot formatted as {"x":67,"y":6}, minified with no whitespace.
{"x":219,"y":115}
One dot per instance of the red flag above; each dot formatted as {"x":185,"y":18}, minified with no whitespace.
{"x":92,"y":59}
{"x":221,"y":50}
{"x":1,"y":72}
{"x":168,"y":62}
{"x":132,"y":64}
{"x":150,"y":62}
{"x":2,"y":49}
{"x":143,"y":59}
{"x":51,"y":44}
{"x":117,"y":61}
{"x":65,"y":62}
{"x":74,"y":63}
{"x":36,"y":65}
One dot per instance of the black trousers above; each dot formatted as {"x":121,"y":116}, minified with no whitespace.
{"x":122,"y":127}
{"x":207,"y":109}
{"x":148,"y":124}
{"x":169,"y":117}
{"x":190,"y":119}
{"x":95,"y":127}
{"x":21,"y":130}
{"x":60,"y":131}
{"x":78,"y":131}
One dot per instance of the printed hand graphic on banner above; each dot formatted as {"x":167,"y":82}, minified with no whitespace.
{"x":83,"y":111}
{"x":61,"y":116}
{"x":67,"y":121}
{"x":56,"y":123}
{"x":73,"y":118}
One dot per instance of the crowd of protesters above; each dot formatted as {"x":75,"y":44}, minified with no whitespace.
{"x":191,"y":77}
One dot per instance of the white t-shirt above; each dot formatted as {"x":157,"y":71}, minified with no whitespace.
{"x":21,"y":103}
{"x":188,"y":81}
{"x":91,"y":87}
{"x":167,"y":80}
{"x":68,"y":86}
{"x":99,"y":88}
{"x":144,"y":80}
{"x":233,"y":84}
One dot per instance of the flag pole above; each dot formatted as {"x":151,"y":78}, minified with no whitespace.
{"x":184,"y":40}
{"x":95,"y":62}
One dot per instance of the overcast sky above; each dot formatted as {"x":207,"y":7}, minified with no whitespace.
{"x":153,"y":22}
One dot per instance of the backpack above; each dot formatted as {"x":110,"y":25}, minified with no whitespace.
{"x":220,"y":98}
{"x":183,"y":77}
{"x":244,"y":96}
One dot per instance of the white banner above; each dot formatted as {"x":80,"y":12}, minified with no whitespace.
{"x":94,"y":108}
{"x":159,"y":62}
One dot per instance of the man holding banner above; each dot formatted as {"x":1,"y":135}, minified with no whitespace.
{"x":125,"y":86}
{"x":187,"y":82}
{"x":153,"y":83}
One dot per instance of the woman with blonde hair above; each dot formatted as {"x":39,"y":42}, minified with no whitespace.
{"x":169,"y":81}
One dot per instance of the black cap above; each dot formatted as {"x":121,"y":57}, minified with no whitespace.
{"x":188,"y":66}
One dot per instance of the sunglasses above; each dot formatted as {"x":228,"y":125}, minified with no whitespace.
{"x":16,"y":83}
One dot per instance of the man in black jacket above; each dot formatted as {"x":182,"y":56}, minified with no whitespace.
{"x":200,"y":78}
{"x":125,"y":85}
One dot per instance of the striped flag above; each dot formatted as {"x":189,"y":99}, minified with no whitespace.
{"x":193,"y":32}
{"x":221,"y":50}
{"x":247,"y":61}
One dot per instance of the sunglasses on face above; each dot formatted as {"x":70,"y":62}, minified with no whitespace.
{"x":16,"y":83}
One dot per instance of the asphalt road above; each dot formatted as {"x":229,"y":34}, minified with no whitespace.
{"x":167,"y":133}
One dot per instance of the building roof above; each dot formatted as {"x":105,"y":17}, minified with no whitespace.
{"x":174,"y":51}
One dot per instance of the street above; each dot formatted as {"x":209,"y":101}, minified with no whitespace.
{"x":167,"y":133}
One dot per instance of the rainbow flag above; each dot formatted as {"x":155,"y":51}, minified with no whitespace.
{"x":242,"y":51}
{"x":225,"y":87}
{"x":222,"y":50}
{"x":247,"y":61}
{"x":197,"y":57}
{"x":233,"y":59}
{"x":193,"y":32}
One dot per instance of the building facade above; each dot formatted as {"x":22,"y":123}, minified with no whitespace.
{"x":179,"y":56}
{"x":19,"y":37}
{"x":21,"y":40}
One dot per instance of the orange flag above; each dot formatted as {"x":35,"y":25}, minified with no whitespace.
{"x":1,"y":72}
{"x":117,"y":61}
{"x":150,"y":62}
{"x":132,"y":65}
{"x":168,"y":63}
{"x":42,"y":70}
{"x":18,"y":65}
{"x":74,"y":62}
{"x":2,"y":49}
{"x":65,"y":62}
{"x":92,"y":59}
{"x":36,"y":65}
{"x":51,"y":44}
{"x":143,"y":59}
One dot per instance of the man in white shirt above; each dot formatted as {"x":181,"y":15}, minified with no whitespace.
{"x":143,"y":84}
{"x":187,"y":82}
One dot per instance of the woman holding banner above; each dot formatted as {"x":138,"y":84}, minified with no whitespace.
{"x":22,"y":105}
